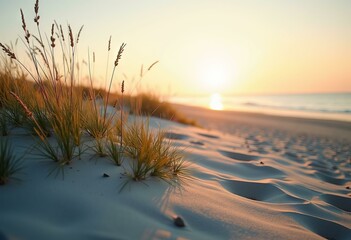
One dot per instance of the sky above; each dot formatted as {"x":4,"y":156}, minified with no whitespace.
{"x":205,"y":46}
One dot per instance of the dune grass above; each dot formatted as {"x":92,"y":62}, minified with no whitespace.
{"x":150,"y":104}
{"x":4,"y":130}
{"x":152,"y":154}
{"x":53,"y":103}
{"x":10,"y":164}
{"x":114,"y":145}
{"x":115,"y":151}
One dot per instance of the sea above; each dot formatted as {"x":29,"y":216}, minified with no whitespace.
{"x":332,"y":106}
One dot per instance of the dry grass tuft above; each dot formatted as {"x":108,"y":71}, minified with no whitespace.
{"x":152,"y":155}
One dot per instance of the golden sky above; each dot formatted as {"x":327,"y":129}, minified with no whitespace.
{"x":206,"y":47}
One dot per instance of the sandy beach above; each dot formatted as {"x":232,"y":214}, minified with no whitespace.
{"x":252,"y":177}
{"x":234,"y":121}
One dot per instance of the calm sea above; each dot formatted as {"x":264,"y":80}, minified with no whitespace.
{"x":336,"y":106}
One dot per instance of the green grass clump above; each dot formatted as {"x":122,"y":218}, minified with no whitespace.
{"x":10,"y":165}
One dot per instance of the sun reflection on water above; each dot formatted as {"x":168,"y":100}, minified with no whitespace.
{"x":216,"y":102}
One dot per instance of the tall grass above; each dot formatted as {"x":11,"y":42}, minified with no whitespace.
{"x":54,"y":104}
{"x":60,"y":105}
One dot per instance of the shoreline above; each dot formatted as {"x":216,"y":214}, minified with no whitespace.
{"x":231,"y":121}
{"x":328,"y":106}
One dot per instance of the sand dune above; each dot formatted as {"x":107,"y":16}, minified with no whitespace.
{"x":257,"y":182}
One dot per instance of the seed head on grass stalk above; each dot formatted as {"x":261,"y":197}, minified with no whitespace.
{"x":12,"y":55}
{"x":24,"y":26}
{"x":36,"y":10}
{"x":52,"y":38}
{"x":62,"y":35}
{"x":79,"y":32}
{"x":108,"y":59}
{"x":119,"y":56}
{"x":153,"y":64}
{"x":8,"y":51}
{"x":122,"y":109}
{"x":70,"y":33}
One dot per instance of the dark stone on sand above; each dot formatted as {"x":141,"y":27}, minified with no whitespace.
{"x":179,"y":222}
{"x":105,"y":175}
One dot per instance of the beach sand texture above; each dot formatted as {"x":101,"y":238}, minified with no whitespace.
{"x":257,"y":182}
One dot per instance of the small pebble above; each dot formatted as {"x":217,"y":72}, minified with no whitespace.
{"x":106,"y":175}
{"x":178,"y":221}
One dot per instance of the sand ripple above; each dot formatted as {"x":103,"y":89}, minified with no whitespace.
{"x":341,"y":202}
{"x":265,"y":192}
{"x":324,"y":228}
{"x":238,"y":156}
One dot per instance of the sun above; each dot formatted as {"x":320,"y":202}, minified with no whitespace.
{"x":215,"y":76}
{"x":216,"y":102}
{"x":216,"y":73}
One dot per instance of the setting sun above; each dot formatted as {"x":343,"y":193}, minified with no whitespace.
{"x":216,"y":70}
{"x":216,"y":102}
{"x":214,"y":76}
